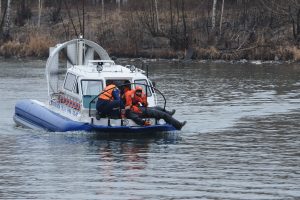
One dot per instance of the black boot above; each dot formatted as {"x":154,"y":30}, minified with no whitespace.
{"x":182,"y":125}
{"x":172,"y":112}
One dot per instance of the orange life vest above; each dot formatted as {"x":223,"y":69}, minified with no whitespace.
{"x":107,"y":95}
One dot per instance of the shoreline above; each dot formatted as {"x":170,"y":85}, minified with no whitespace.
{"x":138,"y":60}
{"x":178,"y":33}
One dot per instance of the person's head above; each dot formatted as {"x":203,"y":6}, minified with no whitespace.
{"x":127,"y":86}
{"x":138,"y":90}
{"x":127,"y":82}
{"x":110,"y":82}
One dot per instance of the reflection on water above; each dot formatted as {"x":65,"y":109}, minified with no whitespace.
{"x":241,"y":141}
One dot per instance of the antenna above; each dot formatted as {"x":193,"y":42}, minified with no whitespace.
{"x":83,"y":18}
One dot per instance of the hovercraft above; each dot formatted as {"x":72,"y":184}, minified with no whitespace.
{"x":73,"y":92}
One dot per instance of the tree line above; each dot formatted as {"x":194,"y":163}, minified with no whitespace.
{"x":202,"y":29}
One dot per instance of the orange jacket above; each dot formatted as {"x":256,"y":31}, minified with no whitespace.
{"x":125,"y":90}
{"x":133,"y":101}
{"x":107,"y":95}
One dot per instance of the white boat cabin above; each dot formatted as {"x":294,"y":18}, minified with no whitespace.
{"x":75,"y":94}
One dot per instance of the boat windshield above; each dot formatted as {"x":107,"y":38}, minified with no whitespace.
{"x":91,"y":87}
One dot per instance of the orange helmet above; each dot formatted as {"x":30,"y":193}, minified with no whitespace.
{"x":138,"y":88}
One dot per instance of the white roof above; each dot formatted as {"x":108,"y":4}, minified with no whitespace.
{"x":109,"y":70}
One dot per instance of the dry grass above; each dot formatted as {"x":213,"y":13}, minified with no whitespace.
{"x":38,"y":45}
{"x":35,"y":45}
{"x":286,"y":52}
{"x":294,"y":52}
{"x":11,"y":48}
{"x":207,"y":53}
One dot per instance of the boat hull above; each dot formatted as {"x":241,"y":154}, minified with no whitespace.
{"x":30,"y":114}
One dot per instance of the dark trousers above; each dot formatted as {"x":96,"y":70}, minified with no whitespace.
{"x":161,"y":109}
{"x":106,"y":107}
{"x":152,"y":113}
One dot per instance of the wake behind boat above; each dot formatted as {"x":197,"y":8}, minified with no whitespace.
{"x":72,"y":98}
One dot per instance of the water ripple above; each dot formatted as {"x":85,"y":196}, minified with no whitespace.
{"x":241,"y":142}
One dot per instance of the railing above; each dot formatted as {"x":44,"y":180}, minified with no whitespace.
{"x":128,"y":84}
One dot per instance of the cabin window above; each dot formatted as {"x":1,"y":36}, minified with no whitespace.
{"x":117,"y":82}
{"x":120,"y":83}
{"x":69,"y":82}
{"x":143,"y":83}
{"x":90,"y":90}
{"x":91,"y":87}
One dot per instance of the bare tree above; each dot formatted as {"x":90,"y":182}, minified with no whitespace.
{"x":40,"y":12}
{"x":118,"y":2}
{"x":55,"y":12}
{"x":102,"y":9}
{"x":221,"y":19}
{"x":71,"y":18}
{"x":157,"y":17}
{"x":213,"y":16}
{"x":23,"y":13}
{"x":185,"y":42}
{"x":288,"y":10}
{"x":6,"y":27}
{"x":124,"y":2}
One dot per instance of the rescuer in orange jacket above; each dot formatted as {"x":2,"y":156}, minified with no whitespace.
{"x":109,"y":101}
{"x":136,"y":109}
{"x":135,"y":99}
{"x":125,"y":88}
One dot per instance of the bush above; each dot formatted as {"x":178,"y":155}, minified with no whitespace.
{"x":11,"y":48}
{"x":38,"y":45}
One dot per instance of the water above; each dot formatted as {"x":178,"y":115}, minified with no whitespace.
{"x":242,"y":140}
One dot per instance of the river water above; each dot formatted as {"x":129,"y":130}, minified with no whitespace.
{"x":242,"y":139}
